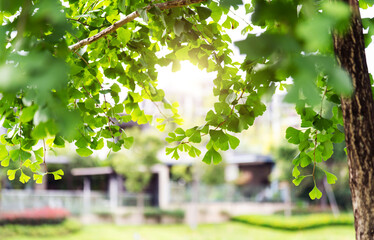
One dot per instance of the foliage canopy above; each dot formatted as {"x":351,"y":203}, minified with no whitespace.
{"x":52,"y":93}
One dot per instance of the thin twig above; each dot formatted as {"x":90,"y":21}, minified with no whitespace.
{"x":314,"y":158}
{"x":232,"y":110}
{"x":44,"y":153}
{"x":20,"y":129}
{"x":80,"y":56}
{"x":83,"y":23}
{"x":158,"y":108}
{"x":91,"y":6}
{"x":205,"y":39}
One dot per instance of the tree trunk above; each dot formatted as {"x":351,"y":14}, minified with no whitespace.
{"x":358,"y":114}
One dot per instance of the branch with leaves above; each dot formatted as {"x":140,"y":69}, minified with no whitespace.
{"x":131,"y":17}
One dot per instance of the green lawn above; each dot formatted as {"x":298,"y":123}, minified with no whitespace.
{"x":227,"y":231}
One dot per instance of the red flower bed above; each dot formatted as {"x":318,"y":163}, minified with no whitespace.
{"x":35,"y":216}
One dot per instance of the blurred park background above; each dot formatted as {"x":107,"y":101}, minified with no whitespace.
{"x":144,"y":194}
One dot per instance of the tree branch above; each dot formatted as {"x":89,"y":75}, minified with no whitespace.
{"x":129,"y":18}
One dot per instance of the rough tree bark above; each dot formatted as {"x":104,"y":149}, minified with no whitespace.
{"x":358,"y":114}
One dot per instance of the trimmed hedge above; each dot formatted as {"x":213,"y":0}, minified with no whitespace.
{"x":294,"y":223}
{"x":34,"y":216}
{"x":46,"y":230}
{"x":157,"y":213}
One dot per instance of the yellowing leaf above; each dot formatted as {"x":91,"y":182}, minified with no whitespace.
{"x":38,"y":178}
{"x":57,"y":174}
{"x":11,"y":174}
{"x":27,"y":163}
{"x":3,"y":152}
{"x":5,"y":161}
{"x":24,"y":178}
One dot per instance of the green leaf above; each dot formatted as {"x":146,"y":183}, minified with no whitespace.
{"x":84,"y":152}
{"x":215,"y":135}
{"x":178,"y":27}
{"x":266,"y":44}
{"x":143,"y":14}
{"x":234,"y":141}
{"x":295,"y":172}
{"x":298,"y":180}
{"x":338,"y":137}
{"x":216,"y":11}
{"x":122,"y":6}
{"x":222,"y":108}
{"x":304,"y":145}
{"x":341,"y":82}
{"x":322,"y":123}
{"x":38,"y":178}
{"x":328,"y":149}
{"x":115,"y":88}
{"x":82,"y":142}
{"x":194,"y":152}
{"x":203,"y":12}
{"x":57,"y":174}
{"x":331,"y":178}
{"x":127,"y":142}
{"x":196,"y":137}
{"x":230,"y":3}
{"x":39,"y":154}
{"x":169,"y":150}
{"x":11,"y":173}
{"x":230,"y":23}
{"x":40,"y":131}
{"x":315,"y":193}
{"x":175,"y":154}
{"x":24,"y":178}
{"x":124,"y":36}
{"x":14,"y":154}
{"x":25,"y":155}
{"x":59,"y":141}
{"x":17,"y":154}
{"x":28,"y":113}
{"x":97,"y":145}
{"x":230,"y":98}
{"x":5,"y":161}
{"x":305,"y":160}
{"x":212,"y":155}
{"x":90,"y":104}
{"x":292,"y":135}
{"x":3,"y":152}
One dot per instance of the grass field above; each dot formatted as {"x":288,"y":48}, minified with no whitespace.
{"x":226,"y":231}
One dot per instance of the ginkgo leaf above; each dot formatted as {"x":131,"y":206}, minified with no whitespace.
{"x":57,"y":174}
{"x":38,"y":178}
{"x":315,"y":193}
{"x":11,"y":173}
{"x":24,"y":178}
